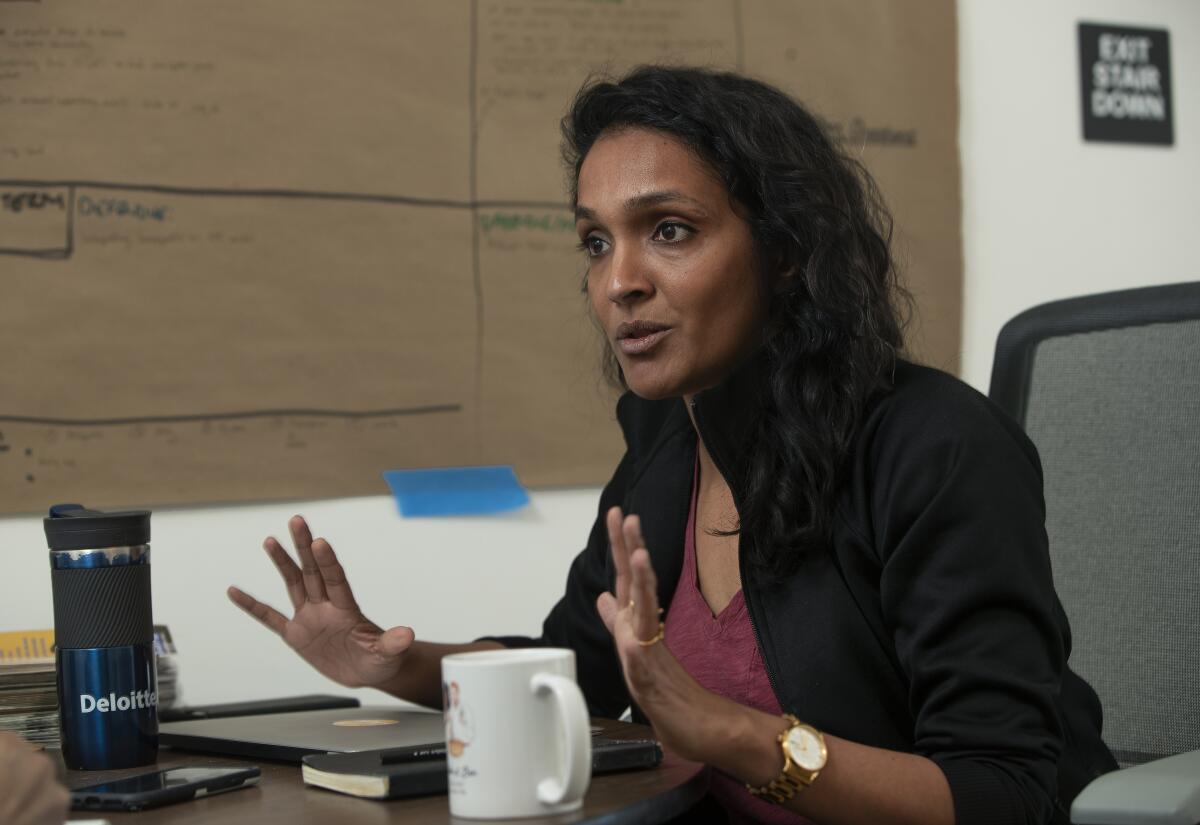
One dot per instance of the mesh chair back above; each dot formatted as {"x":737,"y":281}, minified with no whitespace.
{"x":1108,"y":388}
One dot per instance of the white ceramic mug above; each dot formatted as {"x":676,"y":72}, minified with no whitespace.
{"x":518,"y":738}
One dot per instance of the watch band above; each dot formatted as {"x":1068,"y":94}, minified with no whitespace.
{"x":792,"y":778}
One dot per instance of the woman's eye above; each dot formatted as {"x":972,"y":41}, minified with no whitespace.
{"x":593,"y":246}
{"x":672,"y":232}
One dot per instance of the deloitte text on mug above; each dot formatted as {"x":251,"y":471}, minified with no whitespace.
{"x":518,"y":740}
{"x":136,"y":700}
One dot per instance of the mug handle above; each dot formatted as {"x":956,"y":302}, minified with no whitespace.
{"x":573,"y":716}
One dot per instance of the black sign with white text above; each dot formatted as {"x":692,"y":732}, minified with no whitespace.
{"x":1126,"y":81}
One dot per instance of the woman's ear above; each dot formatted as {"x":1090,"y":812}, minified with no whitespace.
{"x":785,"y":278}
{"x":782,"y":274}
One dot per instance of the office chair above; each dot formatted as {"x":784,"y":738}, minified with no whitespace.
{"x":1108,"y":388}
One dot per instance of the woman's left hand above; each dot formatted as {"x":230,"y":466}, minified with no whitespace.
{"x":859,"y":784}
{"x":680,"y":709}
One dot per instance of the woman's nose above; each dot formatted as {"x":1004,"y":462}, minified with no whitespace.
{"x":629,"y":277}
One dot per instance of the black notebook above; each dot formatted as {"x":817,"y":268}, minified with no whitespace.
{"x":420,"y":771}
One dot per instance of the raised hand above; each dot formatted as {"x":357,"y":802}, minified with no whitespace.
{"x":665,"y":692}
{"x":327,"y":627}
{"x":632,"y":612}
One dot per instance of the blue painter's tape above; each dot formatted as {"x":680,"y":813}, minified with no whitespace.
{"x":456,"y":491}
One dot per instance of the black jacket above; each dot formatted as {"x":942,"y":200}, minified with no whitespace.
{"x":930,"y":625}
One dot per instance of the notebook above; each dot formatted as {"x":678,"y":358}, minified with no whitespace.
{"x":394,"y":774}
{"x":288,"y":737}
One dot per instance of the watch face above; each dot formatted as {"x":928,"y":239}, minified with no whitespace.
{"x":806,"y":748}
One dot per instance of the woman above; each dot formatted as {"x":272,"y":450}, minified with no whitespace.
{"x":834,"y":533}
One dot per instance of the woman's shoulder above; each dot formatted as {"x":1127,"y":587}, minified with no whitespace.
{"x":918,"y":389}
{"x":934,"y":451}
{"x":921,"y":396}
{"x":928,"y":412}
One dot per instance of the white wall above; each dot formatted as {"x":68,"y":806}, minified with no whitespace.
{"x":1045,"y":215}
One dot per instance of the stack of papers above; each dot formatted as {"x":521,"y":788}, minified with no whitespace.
{"x":29,"y":702}
{"x":168,"y":671}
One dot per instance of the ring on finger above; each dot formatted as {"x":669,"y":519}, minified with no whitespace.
{"x":655,"y":639}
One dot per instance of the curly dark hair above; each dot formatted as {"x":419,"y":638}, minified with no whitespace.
{"x":833,"y":331}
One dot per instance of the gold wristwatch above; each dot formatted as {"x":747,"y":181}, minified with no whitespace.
{"x":804,"y":756}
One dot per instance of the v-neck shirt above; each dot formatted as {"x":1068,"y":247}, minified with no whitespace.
{"x":721,"y":653}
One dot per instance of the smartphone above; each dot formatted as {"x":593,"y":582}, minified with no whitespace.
{"x":616,"y":755}
{"x":149,"y":790}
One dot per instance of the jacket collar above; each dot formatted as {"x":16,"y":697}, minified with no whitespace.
{"x":727,"y":416}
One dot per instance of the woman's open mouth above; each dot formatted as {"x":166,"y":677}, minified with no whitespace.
{"x":639,"y":337}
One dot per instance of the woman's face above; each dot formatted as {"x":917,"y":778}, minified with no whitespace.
{"x":672,"y":275}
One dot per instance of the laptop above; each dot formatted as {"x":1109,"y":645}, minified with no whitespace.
{"x":288,"y":737}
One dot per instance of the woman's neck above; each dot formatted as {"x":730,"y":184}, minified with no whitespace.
{"x":710,"y":477}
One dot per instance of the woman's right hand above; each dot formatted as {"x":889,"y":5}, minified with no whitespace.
{"x":29,"y":791}
{"x":327,"y":629}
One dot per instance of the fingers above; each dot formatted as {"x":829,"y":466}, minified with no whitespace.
{"x":606,"y":604}
{"x":631,"y":532}
{"x":635,"y":585}
{"x":395,"y":641}
{"x":620,"y":554}
{"x":333,"y":576}
{"x":34,"y":794}
{"x":314,"y":585}
{"x":288,"y":570}
{"x":266,"y":614}
{"x":50,"y":800}
{"x":645,"y":616}
{"x":20,"y":765}
{"x":642,"y":584}
{"x":320,"y":577}
{"x":54,"y":804}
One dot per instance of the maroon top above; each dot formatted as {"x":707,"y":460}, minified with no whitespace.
{"x":721,"y":654}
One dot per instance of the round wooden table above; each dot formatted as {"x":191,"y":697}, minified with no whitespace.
{"x":648,"y":796}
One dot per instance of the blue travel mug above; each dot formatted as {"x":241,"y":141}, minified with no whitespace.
{"x":104,"y":636}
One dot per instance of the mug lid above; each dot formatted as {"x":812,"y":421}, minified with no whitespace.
{"x":74,"y":527}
